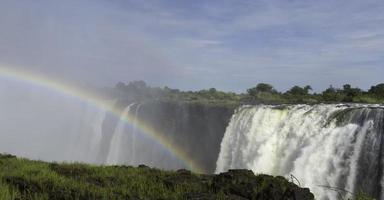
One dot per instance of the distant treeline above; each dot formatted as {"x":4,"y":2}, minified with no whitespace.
{"x":261,"y":93}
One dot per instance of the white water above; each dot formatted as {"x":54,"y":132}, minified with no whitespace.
{"x":123,"y":148}
{"x":134,"y":135}
{"x":304,"y":141}
{"x":116,"y":151}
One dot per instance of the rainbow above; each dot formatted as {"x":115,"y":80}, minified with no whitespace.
{"x":66,"y":89}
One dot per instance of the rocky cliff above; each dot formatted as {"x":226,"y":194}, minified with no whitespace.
{"x":197,"y":128}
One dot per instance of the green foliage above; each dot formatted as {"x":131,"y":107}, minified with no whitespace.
{"x":377,"y":90}
{"x":350,"y":93}
{"x":363,"y":196}
{"x":6,"y":192}
{"x":332,"y":95}
{"x":261,"y":93}
{"x":261,"y":88}
{"x":297,"y":90}
{"x":29,"y":180}
{"x":139,"y":91}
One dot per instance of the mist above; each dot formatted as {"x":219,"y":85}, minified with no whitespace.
{"x":41,"y":124}
{"x":44,"y":124}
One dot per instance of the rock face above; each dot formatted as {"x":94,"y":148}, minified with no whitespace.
{"x":197,"y":128}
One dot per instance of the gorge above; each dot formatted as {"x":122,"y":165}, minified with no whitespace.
{"x":324,"y":146}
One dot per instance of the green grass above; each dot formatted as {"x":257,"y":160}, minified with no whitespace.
{"x":363,"y":196}
{"x":24,"y":179}
{"x":29,"y":179}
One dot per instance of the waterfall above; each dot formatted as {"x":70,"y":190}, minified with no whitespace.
{"x":338,"y":146}
{"x":134,"y":135}
{"x":129,"y":145}
{"x":117,"y":144}
{"x":123,"y":149}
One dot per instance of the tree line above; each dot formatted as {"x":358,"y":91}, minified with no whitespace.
{"x":298,"y":94}
{"x":261,"y":93}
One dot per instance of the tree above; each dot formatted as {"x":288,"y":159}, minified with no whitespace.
{"x":350,"y":93}
{"x":377,"y":90}
{"x":331,"y":94}
{"x":297,"y":90}
{"x":347,"y":87}
{"x":212,"y":90}
{"x":264,"y":87}
{"x":261,"y":87}
{"x":307,"y":88}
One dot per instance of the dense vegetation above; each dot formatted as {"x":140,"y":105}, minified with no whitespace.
{"x":25,"y":179}
{"x":261,"y":93}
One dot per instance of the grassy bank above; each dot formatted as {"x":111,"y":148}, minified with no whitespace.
{"x":26,"y":179}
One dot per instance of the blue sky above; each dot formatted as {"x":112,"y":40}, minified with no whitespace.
{"x":228,"y":44}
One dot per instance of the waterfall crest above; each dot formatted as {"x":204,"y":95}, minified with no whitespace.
{"x":322,"y":145}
